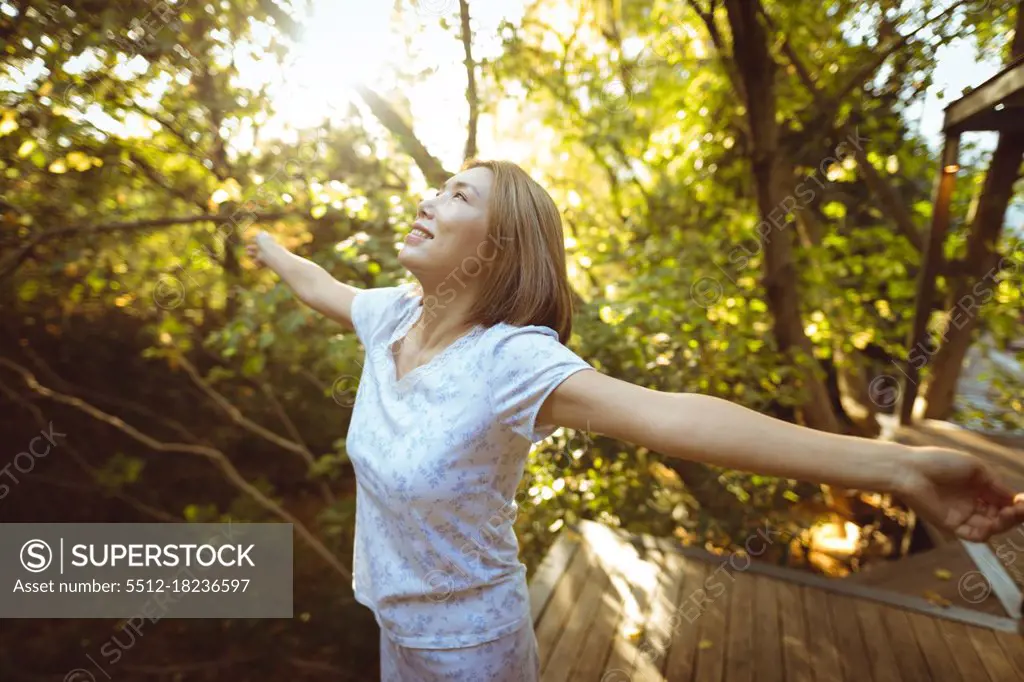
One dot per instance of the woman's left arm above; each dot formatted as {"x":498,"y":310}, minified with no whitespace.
{"x":950,"y":488}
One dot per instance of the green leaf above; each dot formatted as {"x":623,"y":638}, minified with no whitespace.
{"x":28,"y":290}
{"x":253,"y":365}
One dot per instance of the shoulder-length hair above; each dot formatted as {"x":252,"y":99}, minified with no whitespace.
{"x":526,"y":282}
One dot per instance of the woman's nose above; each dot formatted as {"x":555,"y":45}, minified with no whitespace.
{"x":422,"y":208}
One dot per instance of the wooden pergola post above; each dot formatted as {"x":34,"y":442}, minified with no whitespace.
{"x":917,"y":353}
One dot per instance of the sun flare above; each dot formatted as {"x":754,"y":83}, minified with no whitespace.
{"x":345,"y":43}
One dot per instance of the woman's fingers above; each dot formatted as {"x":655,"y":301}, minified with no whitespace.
{"x":970,"y":533}
{"x":996,"y":493}
{"x":254,"y":252}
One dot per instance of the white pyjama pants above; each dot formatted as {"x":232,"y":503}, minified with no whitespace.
{"x":511,"y":658}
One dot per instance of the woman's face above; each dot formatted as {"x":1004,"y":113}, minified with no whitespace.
{"x":456,"y":220}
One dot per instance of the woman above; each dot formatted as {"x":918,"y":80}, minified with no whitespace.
{"x":464,"y":371}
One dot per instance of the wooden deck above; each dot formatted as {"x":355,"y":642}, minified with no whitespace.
{"x":611,"y":607}
{"x":1001,"y":559}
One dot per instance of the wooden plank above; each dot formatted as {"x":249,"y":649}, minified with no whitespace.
{"x":578,"y":625}
{"x":937,"y":655}
{"x":999,"y":668}
{"x":664,"y":618}
{"x":795,"y":656}
{"x":713,"y":621}
{"x":739,"y":657}
{"x":1000,"y":582}
{"x":635,"y":575}
{"x":883,"y":660}
{"x":682,"y":652}
{"x":854,"y":656}
{"x":909,"y":658}
{"x":821,"y":639}
{"x":566,"y":593}
{"x":1013,"y":645}
{"x":767,"y":640}
{"x":964,"y":654}
{"x":550,"y":571}
{"x":600,"y":633}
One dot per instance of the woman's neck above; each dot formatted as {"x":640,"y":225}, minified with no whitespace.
{"x":444,"y":318}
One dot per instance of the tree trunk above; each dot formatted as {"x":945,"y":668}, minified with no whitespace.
{"x":757,"y":70}
{"x":855,"y":393}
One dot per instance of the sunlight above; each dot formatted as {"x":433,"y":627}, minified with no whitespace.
{"x":836,"y":539}
{"x":346,"y":43}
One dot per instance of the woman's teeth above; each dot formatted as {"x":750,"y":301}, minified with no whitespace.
{"x":421,"y":233}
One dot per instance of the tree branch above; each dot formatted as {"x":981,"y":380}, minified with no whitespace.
{"x":19,"y":256}
{"x":168,"y":125}
{"x":211,"y":453}
{"x":93,"y":473}
{"x":471,"y":94}
{"x":886,"y":193}
{"x":865,"y":73}
{"x":728,"y":65}
{"x":160,"y":181}
{"x":430,"y":166}
{"x":297,"y":446}
{"x":239,"y":418}
{"x":97,"y":396}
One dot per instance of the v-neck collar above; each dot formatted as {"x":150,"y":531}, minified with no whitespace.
{"x":402,"y":331}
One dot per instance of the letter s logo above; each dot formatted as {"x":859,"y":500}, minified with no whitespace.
{"x":36,"y":556}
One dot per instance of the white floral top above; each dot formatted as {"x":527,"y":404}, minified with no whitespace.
{"x":438,"y":457}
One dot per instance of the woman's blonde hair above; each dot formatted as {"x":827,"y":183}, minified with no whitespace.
{"x":526,"y":280}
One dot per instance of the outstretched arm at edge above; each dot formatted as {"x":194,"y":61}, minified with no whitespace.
{"x":950,"y":488}
{"x":313,"y":285}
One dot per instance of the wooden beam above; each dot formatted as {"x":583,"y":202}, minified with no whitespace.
{"x":1007,"y":120}
{"x":917,"y":355}
{"x":1002,"y":585}
{"x":986,"y":97}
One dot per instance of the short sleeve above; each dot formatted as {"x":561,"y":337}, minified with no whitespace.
{"x":529,"y":363}
{"x":371,"y":308}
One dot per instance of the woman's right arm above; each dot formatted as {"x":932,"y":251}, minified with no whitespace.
{"x":313,"y":285}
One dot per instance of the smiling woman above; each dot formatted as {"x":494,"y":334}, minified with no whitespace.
{"x":469,"y":368}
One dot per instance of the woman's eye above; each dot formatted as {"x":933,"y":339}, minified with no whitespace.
{"x":460,"y":194}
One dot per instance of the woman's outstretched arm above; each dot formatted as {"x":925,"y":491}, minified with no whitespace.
{"x":312,"y":285}
{"x":950,"y":488}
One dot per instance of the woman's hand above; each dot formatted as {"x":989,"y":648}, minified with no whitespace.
{"x":258,"y":246}
{"x":957,"y":492}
